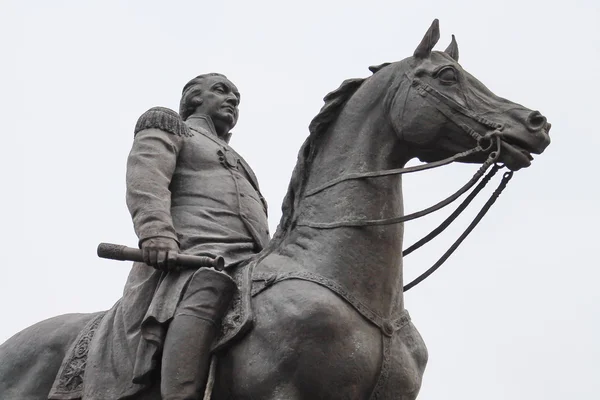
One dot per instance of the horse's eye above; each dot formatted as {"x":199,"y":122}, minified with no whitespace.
{"x":447,"y":75}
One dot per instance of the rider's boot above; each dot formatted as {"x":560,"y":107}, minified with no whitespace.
{"x":186,"y":352}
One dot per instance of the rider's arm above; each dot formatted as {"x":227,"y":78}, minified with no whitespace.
{"x":150,"y":167}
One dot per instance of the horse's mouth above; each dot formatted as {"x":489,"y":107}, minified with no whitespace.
{"x":519,"y":153}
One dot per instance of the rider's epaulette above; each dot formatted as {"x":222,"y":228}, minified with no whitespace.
{"x":164,"y":119}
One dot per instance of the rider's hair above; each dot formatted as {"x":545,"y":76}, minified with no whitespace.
{"x":192,"y":89}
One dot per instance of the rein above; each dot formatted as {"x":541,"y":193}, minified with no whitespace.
{"x":395,"y":220}
{"x":447,"y":107}
{"x":507,"y":177}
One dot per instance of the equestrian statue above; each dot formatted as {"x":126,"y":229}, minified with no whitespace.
{"x":216,"y":309}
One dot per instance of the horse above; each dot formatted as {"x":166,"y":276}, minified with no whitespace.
{"x":329,"y":315}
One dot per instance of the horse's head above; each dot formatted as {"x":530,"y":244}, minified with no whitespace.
{"x":439,"y":109}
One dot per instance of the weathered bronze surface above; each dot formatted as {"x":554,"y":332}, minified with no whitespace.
{"x":328,"y":319}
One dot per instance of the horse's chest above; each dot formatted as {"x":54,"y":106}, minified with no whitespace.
{"x":404,"y":360}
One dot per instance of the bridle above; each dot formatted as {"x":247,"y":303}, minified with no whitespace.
{"x":485,"y":143}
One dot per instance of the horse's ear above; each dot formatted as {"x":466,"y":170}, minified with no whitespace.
{"x":452,"y":49}
{"x":429,"y":40}
{"x":375,"y":68}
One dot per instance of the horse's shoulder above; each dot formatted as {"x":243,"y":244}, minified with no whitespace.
{"x":304,"y":306}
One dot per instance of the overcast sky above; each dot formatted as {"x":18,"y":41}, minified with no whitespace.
{"x":514,"y":314}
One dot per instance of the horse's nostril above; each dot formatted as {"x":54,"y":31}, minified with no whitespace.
{"x":536,"y":121}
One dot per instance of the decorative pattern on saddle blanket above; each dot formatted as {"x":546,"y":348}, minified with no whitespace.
{"x":68,"y":384}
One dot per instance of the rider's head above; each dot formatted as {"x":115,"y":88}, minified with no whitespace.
{"x":212,"y":95}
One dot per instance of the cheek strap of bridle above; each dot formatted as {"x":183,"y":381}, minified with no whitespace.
{"x":450,"y":104}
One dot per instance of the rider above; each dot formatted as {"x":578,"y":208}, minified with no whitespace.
{"x":188,"y":192}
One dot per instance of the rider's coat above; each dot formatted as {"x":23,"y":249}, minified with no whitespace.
{"x":197,"y":190}
{"x":185,"y":183}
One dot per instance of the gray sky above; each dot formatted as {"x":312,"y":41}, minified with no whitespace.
{"x":513,"y":314}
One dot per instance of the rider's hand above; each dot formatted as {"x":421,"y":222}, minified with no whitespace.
{"x":160,"y":253}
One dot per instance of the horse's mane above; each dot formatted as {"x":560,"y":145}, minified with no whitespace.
{"x":334,"y":102}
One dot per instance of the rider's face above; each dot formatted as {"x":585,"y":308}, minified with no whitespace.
{"x":220,"y":99}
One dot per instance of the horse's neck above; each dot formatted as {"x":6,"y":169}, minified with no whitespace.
{"x":366,"y":260}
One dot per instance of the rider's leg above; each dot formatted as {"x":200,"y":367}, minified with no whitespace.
{"x":186,"y":352}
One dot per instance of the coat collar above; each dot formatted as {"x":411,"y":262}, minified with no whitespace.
{"x":202,"y":123}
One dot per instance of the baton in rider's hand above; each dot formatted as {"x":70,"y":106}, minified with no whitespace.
{"x":124,"y":253}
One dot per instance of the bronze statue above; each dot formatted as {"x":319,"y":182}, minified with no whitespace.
{"x":319,"y":312}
